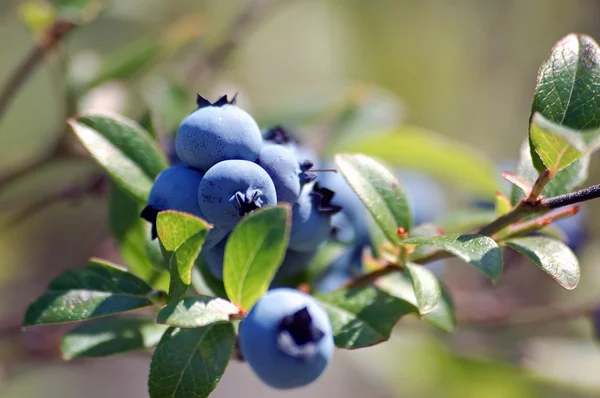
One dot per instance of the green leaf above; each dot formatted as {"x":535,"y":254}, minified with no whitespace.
{"x":98,"y":289}
{"x":363,"y":316}
{"x":422,"y":150}
{"x":123,"y":149}
{"x":556,"y":147}
{"x":77,"y":11}
{"x":443,"y":315}
{"x":478,"y":250}
{"x":552,"y":256}
{"x":568,"y":84}
{"x":110,"y":336}
{"x":182,"y":236}
{"x":254,"y":252}
{"x":190,"y":362}
{"x":193,"y":312}
{"x":379,"y":190}
{"x":426,"y":286}
{"x":565,"y":181}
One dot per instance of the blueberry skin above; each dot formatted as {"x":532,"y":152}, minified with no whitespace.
{"x":232,"y":188}
{"x":310,"y":227}
{"x":281,"y":165}
{"x":176,"y":188}
{"x":261,"y":329}
{"x":214,"y":133}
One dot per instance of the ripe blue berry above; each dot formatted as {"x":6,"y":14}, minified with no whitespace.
{"x":287,"y":339}
{"x":281,"y":165}
{"x":233,"y":188}
{"x":311,"y":219}
{"x":216,"y":132}
{"x":214,"y":258}
{"x":282,"y":136}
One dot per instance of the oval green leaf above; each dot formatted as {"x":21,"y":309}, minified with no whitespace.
{"x":193,"y":312}
{"x":254,"y":252}
{"x":363,"y":316}
{"x":98,"y":289}
{"x":190,"y":362}
{"x":552,"y":256}
{"x":426,"y":285}
{"x":480,"y":251}
{"x":123,"y":149}
{"x":110,"y":336}
{"x":379,"y":190}
{"x":182,"y":236}
{"x":442,"y":316}
{"x":434,"y":154}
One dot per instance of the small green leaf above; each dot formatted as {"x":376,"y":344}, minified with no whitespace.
{"x":556,"y":147}
{"x":565,"y":181}
{"x":98,"y":289}
{"x":552,"y":256}
{"x":442,"y":316}
{"x":78,"y":11}
{"x":182,"y":236}
{"x":193,"y":312}
{"x":426,"y":286}
{"x":123,"y":149}
{"x":363,"y":316}
{"x":379,"y":190}
{"x":110,"y":336}
{"x":478,"y":250}
{"x":190,"y":362}
{"x":423,"y":150}
{"x":254,"y":251}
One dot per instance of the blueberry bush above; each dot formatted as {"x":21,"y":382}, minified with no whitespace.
{"x":245,"y":244}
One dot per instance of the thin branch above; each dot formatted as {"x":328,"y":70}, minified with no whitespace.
{"x":572,"y":198}
{"x":51,"y":38}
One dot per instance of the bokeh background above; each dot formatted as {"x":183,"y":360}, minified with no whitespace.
{"x":464,"y":69}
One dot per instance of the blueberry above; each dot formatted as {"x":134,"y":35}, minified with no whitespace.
{"x":176,"y":188}
{"x":311,"y":218}
{"x":282,"y":136}
{"x":340,"y":270}
{"x":287,"y":339}
{"x":281,"y":165}
{"x":217,"y":132}
{"x":233,"y":188}
{"x":575,"y":228}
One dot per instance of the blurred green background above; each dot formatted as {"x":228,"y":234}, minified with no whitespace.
{"x":464,"y":69}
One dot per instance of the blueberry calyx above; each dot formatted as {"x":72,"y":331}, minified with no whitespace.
{"x":298,"y":335}
{"x":324,"y":197}
{"x":203,"y":102}
{"x":149,"y":213}
{"x":305,"y":174}
{"x":249,"y":201}
{"x":280,"y":135}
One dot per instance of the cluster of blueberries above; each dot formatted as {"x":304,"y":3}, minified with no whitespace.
{"x":224,"y":168}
